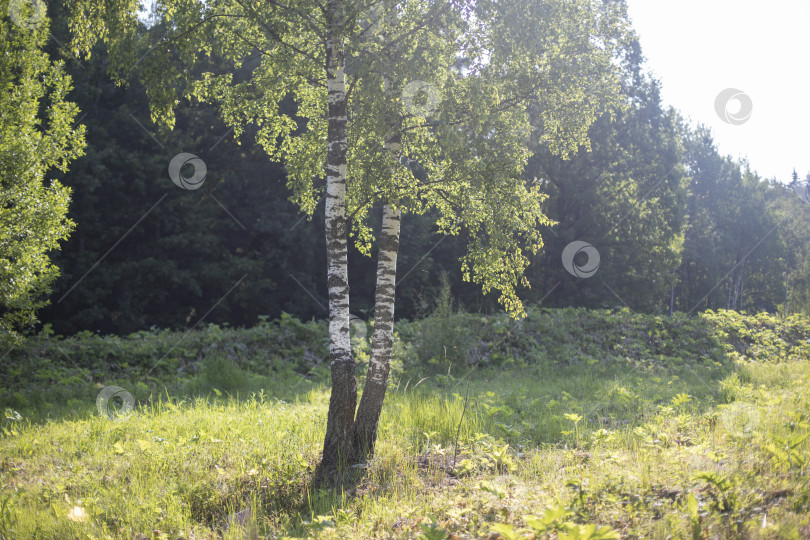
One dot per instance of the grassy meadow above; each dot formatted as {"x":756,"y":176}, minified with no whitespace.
{"x":567,"y":424}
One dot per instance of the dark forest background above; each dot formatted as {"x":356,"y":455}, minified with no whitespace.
{"x":677,"y":225}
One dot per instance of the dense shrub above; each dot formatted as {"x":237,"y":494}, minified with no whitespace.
{"x":48,"y":368}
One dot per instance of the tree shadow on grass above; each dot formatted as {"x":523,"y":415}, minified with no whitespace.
{"x":611,"y":369}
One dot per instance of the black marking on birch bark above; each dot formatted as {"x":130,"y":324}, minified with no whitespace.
{"x":343,"y":399}
{"x":368,"y":413}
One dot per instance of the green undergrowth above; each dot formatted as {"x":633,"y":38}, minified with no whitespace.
{"x":49,"y":376}
{"x":567,"y":424}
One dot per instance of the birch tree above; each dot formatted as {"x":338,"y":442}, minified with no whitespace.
{"x":415,"y":106}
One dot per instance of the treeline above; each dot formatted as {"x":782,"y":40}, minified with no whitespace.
{"x":675,"y":224}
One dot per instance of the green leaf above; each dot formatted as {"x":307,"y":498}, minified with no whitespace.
{"x":507,"y":531}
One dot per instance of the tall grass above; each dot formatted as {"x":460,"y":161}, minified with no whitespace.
{"x":709,"y":443}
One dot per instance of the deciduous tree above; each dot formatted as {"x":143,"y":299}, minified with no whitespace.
{"x":415,"y":106}
{"x":37,"y":135}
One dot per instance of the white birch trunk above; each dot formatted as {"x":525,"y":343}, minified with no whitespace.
{"x":382,"y":339}
{"x":343,"y":400}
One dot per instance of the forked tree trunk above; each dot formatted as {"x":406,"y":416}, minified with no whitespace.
{"x":382,"y":339}
{"x":337,"y":442}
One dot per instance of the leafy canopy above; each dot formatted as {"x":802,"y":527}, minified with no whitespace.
{"x":478,"y":67}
